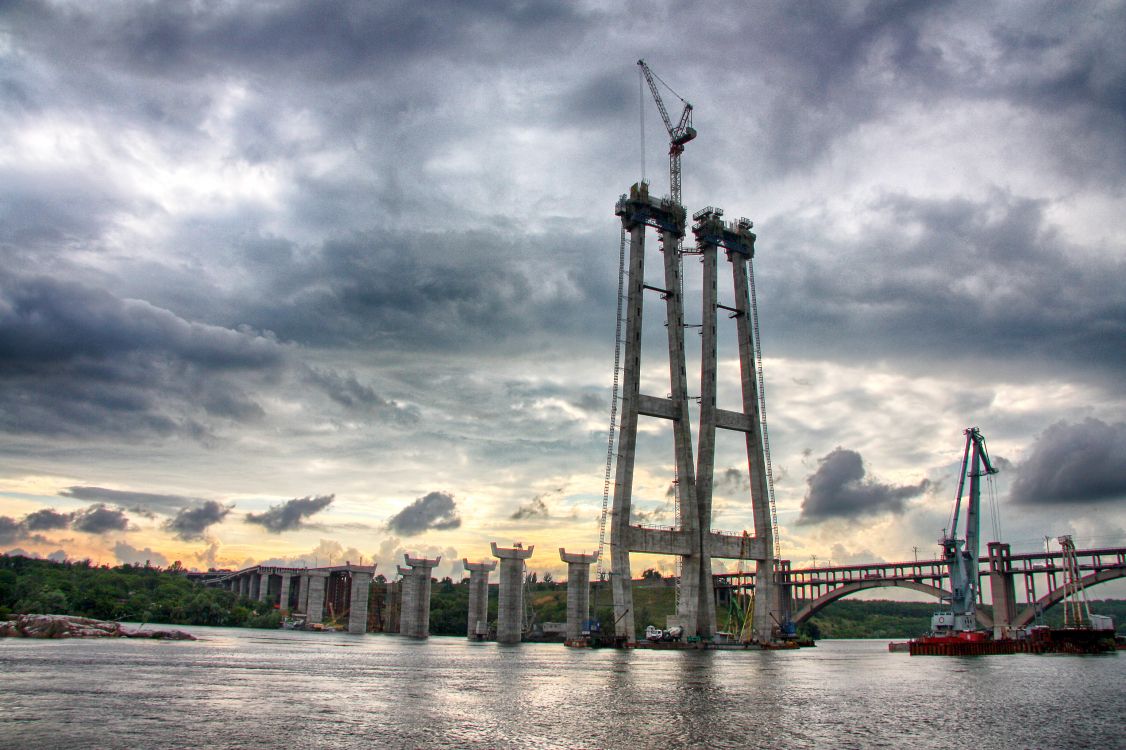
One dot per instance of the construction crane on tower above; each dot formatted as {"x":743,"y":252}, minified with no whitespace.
{"x":679,"y":134}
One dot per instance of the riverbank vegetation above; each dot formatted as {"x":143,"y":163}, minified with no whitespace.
{"x":133,"y":593}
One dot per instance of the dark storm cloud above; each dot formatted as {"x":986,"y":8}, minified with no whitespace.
{"x":99,"y":519}
{"x":145,"y":503}
{"x":1020,"y":297}
{"x":192,"y":523}
{"x":838,"y":489}
{"x":1074,"y":464}
{"x":291,"y":514}
{"x":534,"y":508}
{"x":47,"y":519}
{"x":436,"y":510}
{"x":75,"y":360}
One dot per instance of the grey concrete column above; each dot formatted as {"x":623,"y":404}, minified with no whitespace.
{"x":303,"y":593}
{"x":358,"y":601}
{"x":244,"y":585}
{"x":315,"y":611}
{"x":621,"y":581}
{"x":768,"y":604}
{"x":283,"y":595}
{"x":408,"y":607}
{"x":478,"y":626}
{"x":1002,"y":590}
{"x":578,"y":590}
{"x":414,"y":616}
{"x":510,"y":598}
{"x":263,"y":587}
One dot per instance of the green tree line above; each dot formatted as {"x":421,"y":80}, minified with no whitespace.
{"x":132,"y":593}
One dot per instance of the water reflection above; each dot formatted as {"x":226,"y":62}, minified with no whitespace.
{"x":246,"y":689}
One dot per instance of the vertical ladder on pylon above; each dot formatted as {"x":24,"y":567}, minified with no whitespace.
{"x":613,"y":431}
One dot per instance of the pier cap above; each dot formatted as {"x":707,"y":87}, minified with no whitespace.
{"x":577,"y":557}
{"x":483,"y":566}
{"x":422,"y":562}
{"x":512,"y":553}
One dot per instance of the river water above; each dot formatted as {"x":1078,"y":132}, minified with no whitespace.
{"x":265,"y":689}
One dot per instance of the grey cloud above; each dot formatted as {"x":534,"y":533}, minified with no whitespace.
{"x":47,"y":519}
{"x":1074,"y":464}
{"x":733,"y":481}
{"x":98,"y":519}
{"x":534,"y":508}
{"x":291,"y":514}
{"x":192,"y":523}
{"x":838,"y":489}
{"x":10,"y":530}
{"x":80,"y":361}
{"x":58,"y":556}
{"x":435,"y":510}
{"x":353,"y":395}
{"x":1021,"y":297}
{"x":145,"y":503}
{"x":130,"y":555}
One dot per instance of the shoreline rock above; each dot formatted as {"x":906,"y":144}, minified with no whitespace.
{"x":68,"y":626}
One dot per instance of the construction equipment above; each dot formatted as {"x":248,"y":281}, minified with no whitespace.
{"x":679,"y":134}
{"x":961,"y":554}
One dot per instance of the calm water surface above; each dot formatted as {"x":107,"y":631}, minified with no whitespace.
{"x":263,"y":689}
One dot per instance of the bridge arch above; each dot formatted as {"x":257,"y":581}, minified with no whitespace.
{"x":840,"y":592}
{"x":1056,"y":595}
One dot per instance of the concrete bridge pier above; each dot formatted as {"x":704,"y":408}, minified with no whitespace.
{"x":578,"y":590}
{"x":244,"y":586}
{"x":315,"y":605}
{"x":414,"y":614}
{"x":283,"y":595}
{"x":1002,"y":589}
{"x":510,"y":598}
{"x":478,"y":627}
{"x":303,"y":593}
{"x":263,"y":586}
{"x":358,"y":601}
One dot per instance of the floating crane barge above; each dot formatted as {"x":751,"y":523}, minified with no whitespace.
{"x":955,"y":632}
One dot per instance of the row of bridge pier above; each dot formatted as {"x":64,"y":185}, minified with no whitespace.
{"x":311,"y":592}
{"x":1021,"y":587}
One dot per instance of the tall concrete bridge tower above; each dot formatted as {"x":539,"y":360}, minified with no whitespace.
{"x":692,"y":538}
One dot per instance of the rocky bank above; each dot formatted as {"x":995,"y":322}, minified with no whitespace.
{"x":66,"y":626}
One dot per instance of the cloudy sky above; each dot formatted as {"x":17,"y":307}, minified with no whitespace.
{"x":309,"y":282}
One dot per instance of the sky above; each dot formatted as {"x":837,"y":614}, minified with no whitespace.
{"x":302,"y":283}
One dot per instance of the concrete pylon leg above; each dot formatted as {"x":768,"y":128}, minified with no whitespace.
{"x":510,"y":597}
{"x":478,"y":625}
{"x":578,"y":591}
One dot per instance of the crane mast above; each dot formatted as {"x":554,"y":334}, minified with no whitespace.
{"x":679,"y":134}
{"x":961,"y":554}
